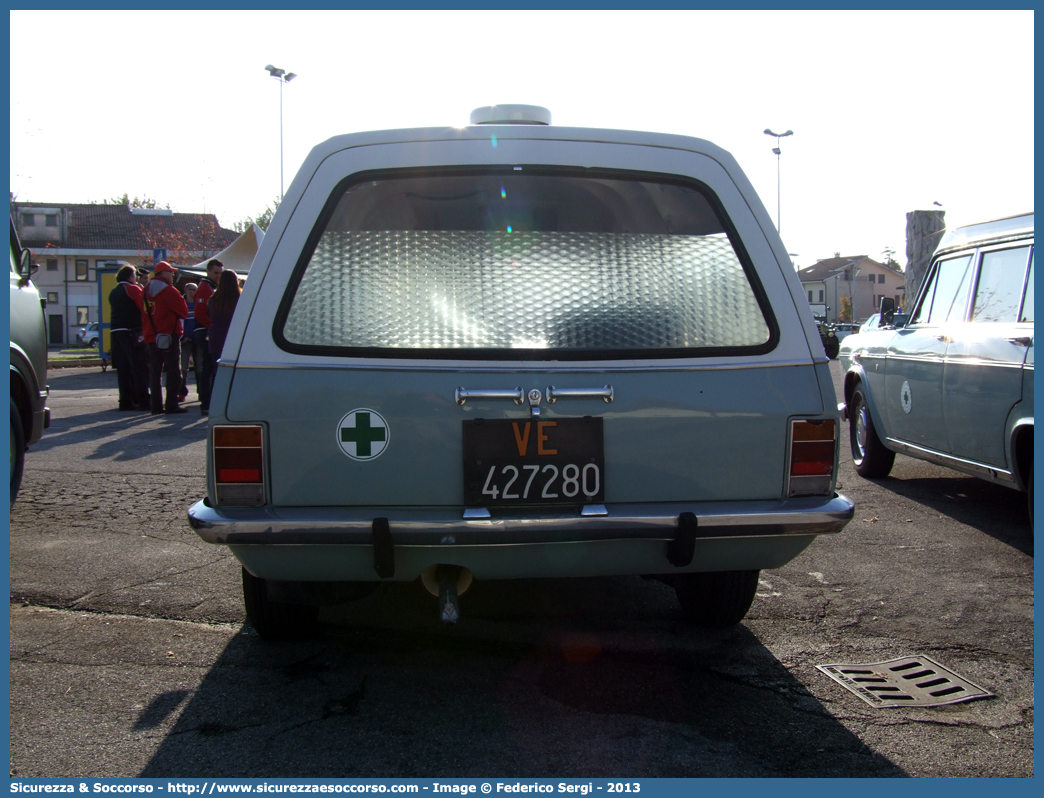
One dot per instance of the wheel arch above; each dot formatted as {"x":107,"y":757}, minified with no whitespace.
{"x":1022,"y":451}
{"x":853,"y":377}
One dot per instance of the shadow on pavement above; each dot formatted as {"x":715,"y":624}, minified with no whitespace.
{"x":107,"y":430}
{"x":994,"y":510}
{"x":539,"y":679}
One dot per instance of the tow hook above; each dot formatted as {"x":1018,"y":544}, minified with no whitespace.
{"x":449,"y":606}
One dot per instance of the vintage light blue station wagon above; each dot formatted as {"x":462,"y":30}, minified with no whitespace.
{"x":517,"y":350}
{"x":954,"y":384}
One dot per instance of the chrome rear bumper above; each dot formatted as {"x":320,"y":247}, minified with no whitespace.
{"x":434,"y":526}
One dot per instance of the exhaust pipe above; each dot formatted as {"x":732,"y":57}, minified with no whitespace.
{"x":449,"y":608}
{"x":447,"y":583}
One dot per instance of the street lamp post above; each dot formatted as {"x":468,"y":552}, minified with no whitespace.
{"x":776,"y":150}
{"x":283,"y":77}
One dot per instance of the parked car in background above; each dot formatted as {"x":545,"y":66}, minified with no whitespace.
{"x":28,"y":377}
{"x":894,"y":320}
{"x":525,"y":351}
{"x":954,"y":384}
{"x":88,"y":336}
{"x":843,"y":329}
{"x":827,"y":336}
{"x":871,"y":324}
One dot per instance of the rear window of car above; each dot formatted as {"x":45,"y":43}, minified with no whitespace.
{"x":523,"y":263}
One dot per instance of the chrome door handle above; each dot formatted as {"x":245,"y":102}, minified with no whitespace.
{"x":1023,"y":341}
{"x":554,"y":394}
{"x":461,"y":395}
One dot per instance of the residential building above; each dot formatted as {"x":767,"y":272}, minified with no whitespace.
{"x":70,"y":242}
{"x":863,"y":280}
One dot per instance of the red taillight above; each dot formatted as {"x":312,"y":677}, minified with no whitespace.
{"x":812,"y":451}
{"x":237,"y":465}
{"x":239,"y":470}
{"x":811,"y":458}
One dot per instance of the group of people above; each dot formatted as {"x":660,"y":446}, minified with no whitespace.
{"x":156,"y":330}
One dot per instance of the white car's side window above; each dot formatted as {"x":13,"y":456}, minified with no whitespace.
{"x":946,"y":295}
{"x":1027,"y":303}
{"x":1001,"y":278}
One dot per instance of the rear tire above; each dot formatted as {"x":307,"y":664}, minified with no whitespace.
{"x":716,"y":599}
{"x":869,"y":455}
{"x":17,"y":450}
{"x":1029,"y":490}
{"x":274,"y":620}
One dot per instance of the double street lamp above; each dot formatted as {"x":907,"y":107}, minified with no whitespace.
{"x":776,"y":150}
{"x":283,"y":77}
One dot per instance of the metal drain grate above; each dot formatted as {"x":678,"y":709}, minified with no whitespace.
{"x":905,"y":682}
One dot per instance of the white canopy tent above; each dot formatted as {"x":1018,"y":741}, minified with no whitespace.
{"x":236,"y":256}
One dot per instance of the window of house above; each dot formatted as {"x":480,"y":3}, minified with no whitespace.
{"x":29,"y":219}
{"x":820,"y":294}
{"x":52,"y":264}
{"x":81,"y":270}
{"x":1001,"y":279}
{"x":880,"y":278}
{"x":52,"y":297}
{"x":51,"y":220}
{"x":81,"y":315}
{"x":810,"y":297}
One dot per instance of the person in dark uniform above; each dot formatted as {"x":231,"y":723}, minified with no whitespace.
{"x":128,"y":348}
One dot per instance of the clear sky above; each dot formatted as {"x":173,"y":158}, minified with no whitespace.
{"x":892,"y":111}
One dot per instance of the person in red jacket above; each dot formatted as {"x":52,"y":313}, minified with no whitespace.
{"x":161,"y":314}
{"x":201,"y":313}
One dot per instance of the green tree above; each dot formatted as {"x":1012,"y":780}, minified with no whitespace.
{"x":262,"y":220}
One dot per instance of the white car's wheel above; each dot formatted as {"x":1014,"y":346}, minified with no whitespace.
{"x":869,"y":455}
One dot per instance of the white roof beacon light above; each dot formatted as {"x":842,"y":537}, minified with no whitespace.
{"x":511,"y":115}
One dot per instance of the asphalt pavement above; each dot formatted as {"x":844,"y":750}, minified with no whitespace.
{"x":130,"y":655}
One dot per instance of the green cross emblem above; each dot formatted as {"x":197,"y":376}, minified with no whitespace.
{"x":368,"y":429}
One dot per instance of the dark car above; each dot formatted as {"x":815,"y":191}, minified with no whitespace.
{"x":828,"y":335}
{"x":29,"y":413}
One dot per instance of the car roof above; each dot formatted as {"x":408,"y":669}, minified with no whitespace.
{"x":987,"y":232}
{"x":504,"y":132}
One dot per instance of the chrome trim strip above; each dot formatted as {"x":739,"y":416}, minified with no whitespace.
{"x":426,"y":526}
{"x":950,"y":461}
{"x":528,"y":367}
{"x":956,"y":361}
